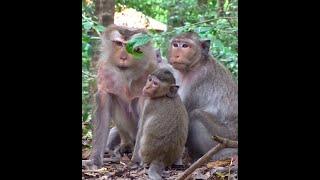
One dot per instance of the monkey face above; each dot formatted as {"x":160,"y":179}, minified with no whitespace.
{"x":119,"y":55}
{"x":121,"y":58}
{"x":151,"y":87}
{"x":181,"y":53}
{"x":156,"y":88}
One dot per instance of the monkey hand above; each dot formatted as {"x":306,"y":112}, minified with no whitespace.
{"x":125,"y":148}
{"x":91,"y":165}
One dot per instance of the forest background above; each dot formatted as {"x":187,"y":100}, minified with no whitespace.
{"x":216,"y":20}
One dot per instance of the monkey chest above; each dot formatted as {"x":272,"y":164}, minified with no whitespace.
{"x":123,"y":111}
{"x":115,"y":84}
{"x":192,"y":96}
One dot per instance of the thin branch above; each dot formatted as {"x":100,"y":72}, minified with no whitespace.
{"x":223,"y":143}
{"x":201,"y":161}
{"x":229,"y":143}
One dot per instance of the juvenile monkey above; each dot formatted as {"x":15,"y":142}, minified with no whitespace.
{"x":209,"y":93}
{"x":121,"y":78}
{"x":163,"y":124}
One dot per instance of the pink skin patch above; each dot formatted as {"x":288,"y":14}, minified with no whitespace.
{"x":108,"y":82}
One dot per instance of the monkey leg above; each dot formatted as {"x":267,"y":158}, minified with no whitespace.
{"x":113,"y":139}
{"x":178,"y":164}
{"x":112,"y":147}
{"x":125,"y":124}
{"x":100,"y":130}
{"x":135,"y":155}
{"x":202,"y":127}
{"x":155,"y":170}
{"x":126,"y":145}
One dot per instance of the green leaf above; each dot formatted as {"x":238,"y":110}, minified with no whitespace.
{"x":203,"y":29}
{"x":134,"y":43}
{"x":87,"y":25}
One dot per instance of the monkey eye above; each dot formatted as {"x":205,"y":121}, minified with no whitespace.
{"x":138,"y":50}
{"x":155,"y":83}
{"x":175,"y":44}
{"x":149,"y":79}
{"x":118,"y":43}
{"x":185,"y":45}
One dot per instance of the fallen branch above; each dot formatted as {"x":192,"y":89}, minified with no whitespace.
{"x":223,"y":143}
{"x":227,"y":142}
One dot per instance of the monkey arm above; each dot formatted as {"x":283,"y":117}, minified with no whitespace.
{"x":135,"y":155}
{"x":101,"y":128}
{"x":213,"y":126}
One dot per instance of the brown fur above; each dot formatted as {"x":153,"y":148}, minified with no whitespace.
{"x":120,"y":80}
{"x":163,"y":125}
{"x":209,"y":93}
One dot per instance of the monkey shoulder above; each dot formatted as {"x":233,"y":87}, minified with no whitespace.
{"x":158,"y":105}
{"x":164,"y":109}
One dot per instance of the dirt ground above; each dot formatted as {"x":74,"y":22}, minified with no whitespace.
{"x":213,"y":170}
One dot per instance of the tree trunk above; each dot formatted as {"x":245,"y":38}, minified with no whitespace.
{"x":104,"y":10}
{"x":220,"y":8}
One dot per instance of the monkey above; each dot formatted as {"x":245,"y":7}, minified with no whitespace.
{"x":114,"y":137}
{"x":209,"y":93}
{"x":120,"y":79}
{"x":163,"y":124}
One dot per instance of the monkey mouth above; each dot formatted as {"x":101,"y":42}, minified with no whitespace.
{"x":123,"y":68}
{"x":145,"y":93}
{"x":178,"y":65}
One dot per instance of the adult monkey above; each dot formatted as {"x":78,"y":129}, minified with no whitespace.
{"x":121,"y":78}
{"x":209,"y":93}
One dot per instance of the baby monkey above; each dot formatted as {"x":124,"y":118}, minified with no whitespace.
{"x":163,"y":124}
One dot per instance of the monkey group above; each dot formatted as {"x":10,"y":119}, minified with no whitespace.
{"x":160,"y":109}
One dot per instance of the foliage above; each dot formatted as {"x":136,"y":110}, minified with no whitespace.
{"x":90,"y":28}
{"x":202,"y":18}
{"x":134,"y":43}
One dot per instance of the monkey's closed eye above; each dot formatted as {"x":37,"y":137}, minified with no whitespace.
{"x":118,"y":43}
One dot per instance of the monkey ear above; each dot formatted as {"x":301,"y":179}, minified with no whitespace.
{"x":173,"y":91}
{"x":205,"y":45}
{"x":158,"y":53}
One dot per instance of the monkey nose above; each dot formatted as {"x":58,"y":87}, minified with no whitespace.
{"x":123,"y":57}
